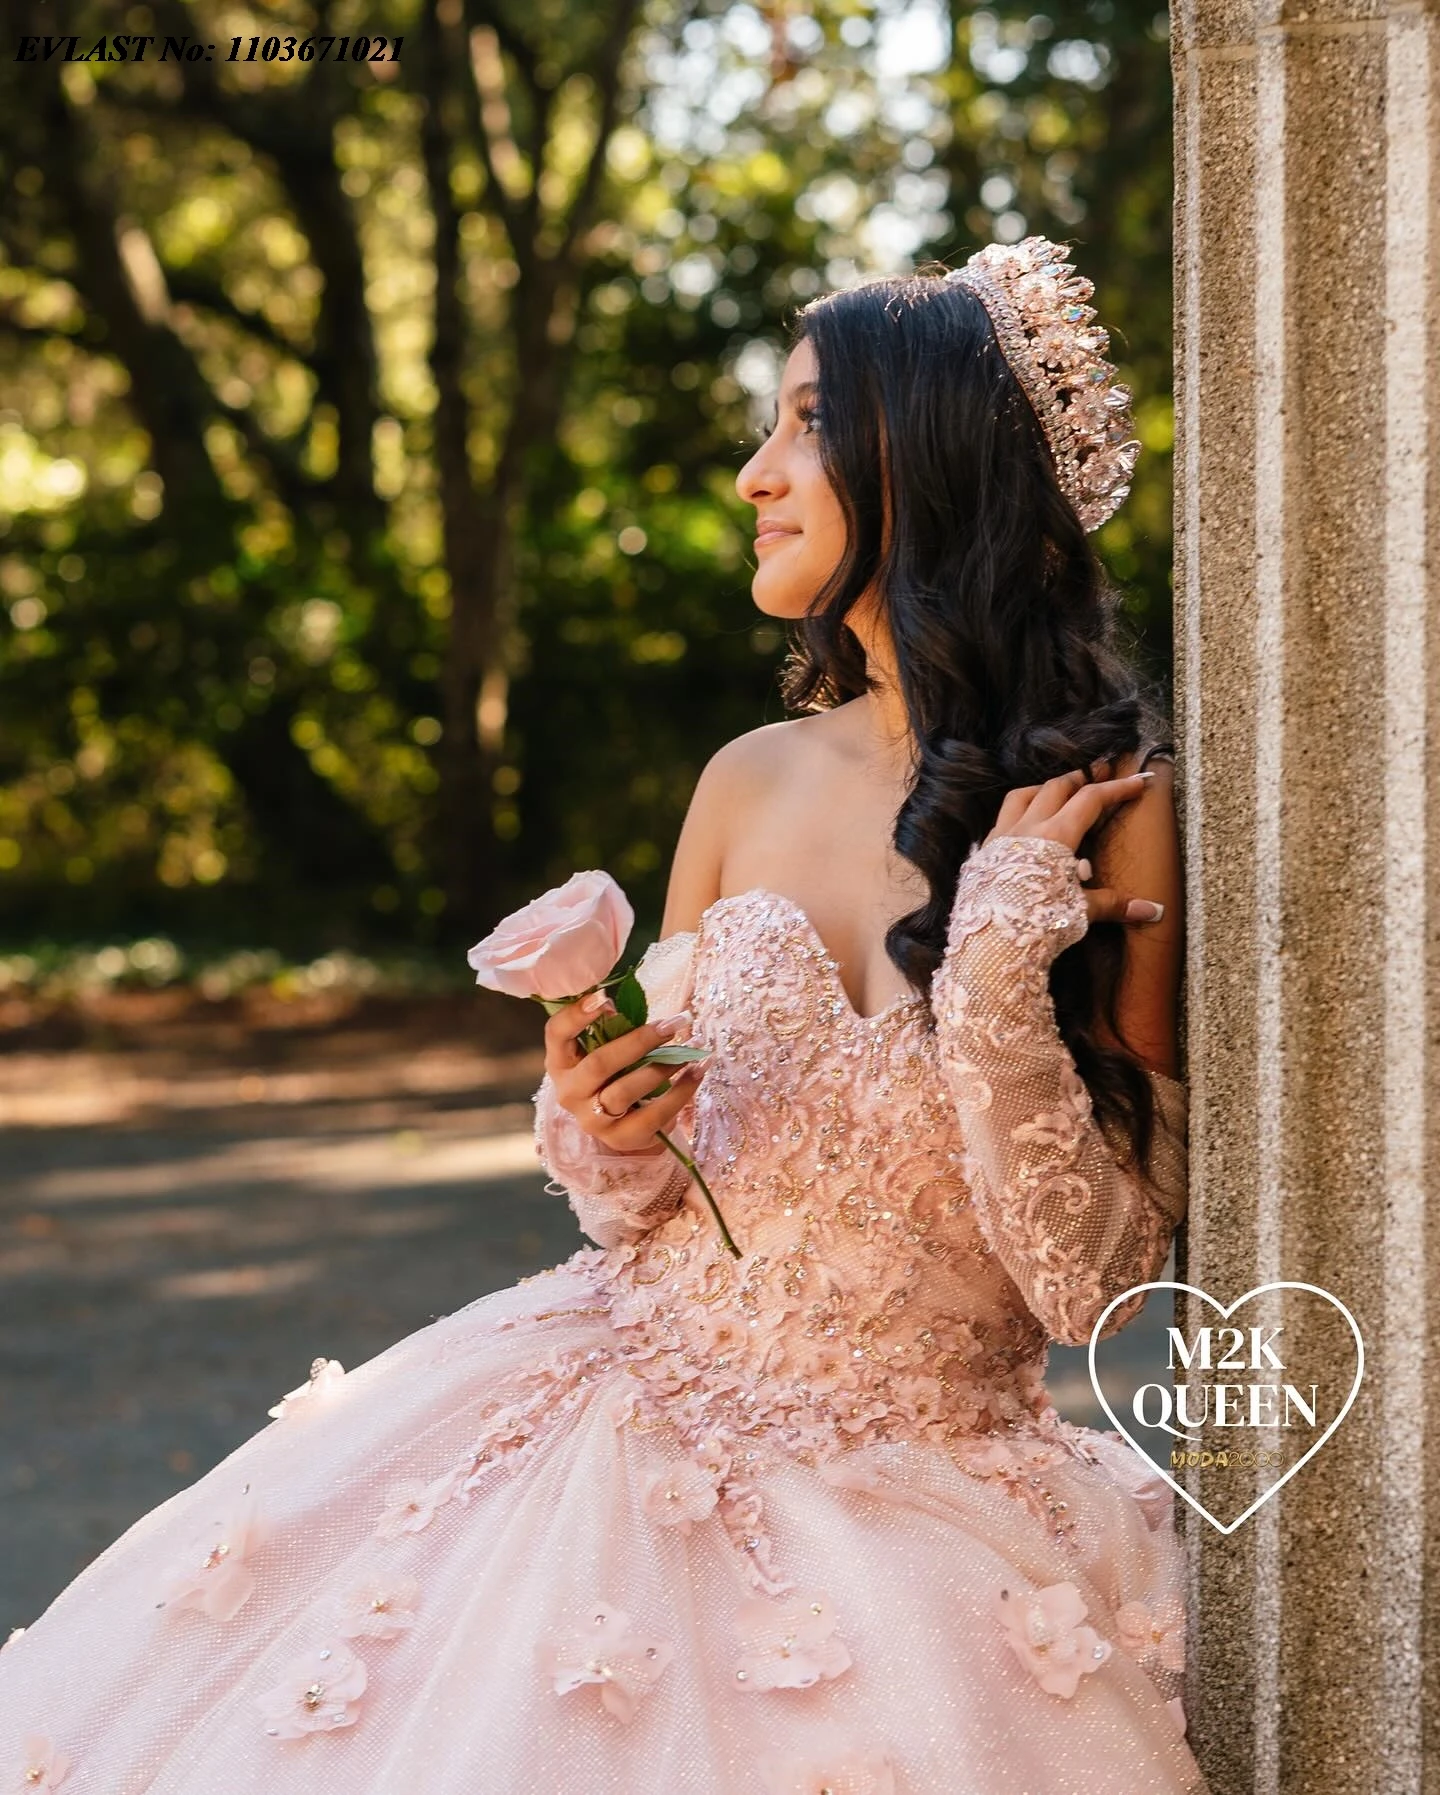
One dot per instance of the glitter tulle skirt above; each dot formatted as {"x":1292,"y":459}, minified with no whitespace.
{"x":332,"y":1610}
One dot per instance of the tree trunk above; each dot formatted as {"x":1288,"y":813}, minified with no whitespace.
{"x":481,"y":531}
{"x":472,"y":528}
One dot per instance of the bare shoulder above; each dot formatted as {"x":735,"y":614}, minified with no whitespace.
{"x":727,"y":792}
{"x":1138,"y":853}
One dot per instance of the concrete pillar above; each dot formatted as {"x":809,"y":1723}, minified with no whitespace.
{"x":1307,"y":246}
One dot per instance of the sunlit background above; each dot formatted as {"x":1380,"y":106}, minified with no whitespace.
{"x":370,"y":561}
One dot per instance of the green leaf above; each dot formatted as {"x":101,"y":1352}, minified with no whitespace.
{"x":629,"y":999}
{"x":674,"y":1054}
{"x":671,"y":1054}
{"x":610,"y":1028}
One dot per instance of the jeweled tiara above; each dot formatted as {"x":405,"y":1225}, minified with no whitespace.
{"x":1036,"y":303}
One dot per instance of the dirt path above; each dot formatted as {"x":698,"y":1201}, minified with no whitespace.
{"x":187,"y":1219}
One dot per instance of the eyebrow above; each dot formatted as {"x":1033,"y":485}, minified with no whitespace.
{"x":804,"y":387}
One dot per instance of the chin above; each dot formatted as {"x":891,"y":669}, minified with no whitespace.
{"x":787,"y":598}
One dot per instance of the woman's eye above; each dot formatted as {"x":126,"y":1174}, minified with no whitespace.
{"x":807,"y":414}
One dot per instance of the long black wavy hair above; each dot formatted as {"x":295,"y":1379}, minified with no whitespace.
{"x":1004,"y":623}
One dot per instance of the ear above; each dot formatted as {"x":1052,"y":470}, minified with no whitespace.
{"x":1138,"y":853}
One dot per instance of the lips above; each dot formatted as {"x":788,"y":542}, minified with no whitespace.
{"x":773,"y":533}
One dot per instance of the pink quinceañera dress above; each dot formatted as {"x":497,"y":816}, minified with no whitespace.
{"x":663,"y":1522}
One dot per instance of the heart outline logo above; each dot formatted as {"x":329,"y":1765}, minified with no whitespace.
{"x":1225,"y":1312}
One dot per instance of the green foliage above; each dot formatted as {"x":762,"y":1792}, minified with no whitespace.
{"x":228,"y":596}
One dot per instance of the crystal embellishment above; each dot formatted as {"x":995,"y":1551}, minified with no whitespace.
{"x":1036,"y":304}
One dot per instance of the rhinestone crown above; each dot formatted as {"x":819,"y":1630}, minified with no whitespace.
{"x":1036,"y":303}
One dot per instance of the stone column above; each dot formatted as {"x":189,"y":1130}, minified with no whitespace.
{"x":1307,"y":245}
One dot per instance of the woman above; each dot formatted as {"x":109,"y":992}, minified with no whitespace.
{"x":664,"y":1520}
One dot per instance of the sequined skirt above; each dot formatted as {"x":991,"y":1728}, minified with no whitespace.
{"x":477,"y":1564}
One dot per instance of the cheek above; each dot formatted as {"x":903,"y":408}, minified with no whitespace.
{"x":825,"y":523}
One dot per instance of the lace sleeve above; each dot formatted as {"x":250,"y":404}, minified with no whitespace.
{"x":618,"y":1197}
{"x":1069,"y":1222}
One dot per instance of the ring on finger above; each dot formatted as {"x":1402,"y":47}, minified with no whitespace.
{"x":600,"y":1110}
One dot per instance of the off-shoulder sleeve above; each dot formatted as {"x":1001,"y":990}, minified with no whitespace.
{"x":1069,"y":1222}
{"x":618,"y":1197}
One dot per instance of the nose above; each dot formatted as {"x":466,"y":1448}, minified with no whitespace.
{"x":761,"y":477}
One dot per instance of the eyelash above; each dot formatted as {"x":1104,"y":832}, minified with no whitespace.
{"x":806,"y":413}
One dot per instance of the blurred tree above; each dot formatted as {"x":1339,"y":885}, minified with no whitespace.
{"x":1063,"y":128}
{"x":536,"y":108}
{"x":368,"y":542}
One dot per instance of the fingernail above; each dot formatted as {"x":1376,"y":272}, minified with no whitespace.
{"x":595,"y":1001}
{"x":1143,"y":910}
{"x":695,"y":1067}
{"x":669,"y":1025}
{"x":1149,"y":773}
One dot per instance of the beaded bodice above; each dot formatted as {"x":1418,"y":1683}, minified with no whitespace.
{"x":922,"y":1198}
{"x":867,"y":1305}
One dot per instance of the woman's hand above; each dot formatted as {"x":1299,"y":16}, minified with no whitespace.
{"x":580,"y":1079}
{"x":1066,"y":809}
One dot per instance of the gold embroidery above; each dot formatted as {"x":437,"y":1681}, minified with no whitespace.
{"x":665,"y":1255}
{"x":908,"y":1221}
{"x":708,"y":1291}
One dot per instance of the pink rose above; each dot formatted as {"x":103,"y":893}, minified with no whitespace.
{"x":558,"y":945}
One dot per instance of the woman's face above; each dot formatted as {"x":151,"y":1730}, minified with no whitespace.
{"x":799,"y":523}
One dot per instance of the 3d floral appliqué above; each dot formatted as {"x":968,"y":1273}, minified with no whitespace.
{"x":410,"y":1505}
{"x":215,"y":1577}
{"x":607,"y":1650}
{"x":325,"y":1374}
{"x":319,"y":1693}
{"x":679,"y":1495}
{"x":1152,"y":1634}
{"x":380,"y":1608}
{"x":42,"y":1767}
{"x":788,"y":1644}
{"x":1044,"y":1629}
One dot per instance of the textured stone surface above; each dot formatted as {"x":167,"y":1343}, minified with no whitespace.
{"x":1307,"y":517}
